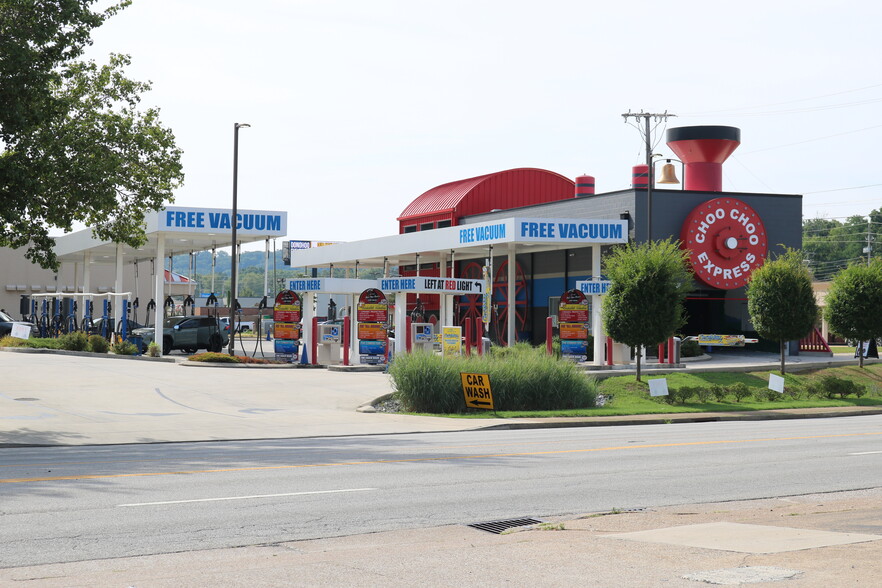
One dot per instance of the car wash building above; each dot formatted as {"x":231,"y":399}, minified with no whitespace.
{"x":729,"y":234}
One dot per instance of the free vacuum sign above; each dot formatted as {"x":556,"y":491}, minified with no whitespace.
{"x":548,"y":230}
{"x":215,"y":220}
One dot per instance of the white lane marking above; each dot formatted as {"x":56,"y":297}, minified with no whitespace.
{"x":247,"y":497}
{"x":866,"y":453}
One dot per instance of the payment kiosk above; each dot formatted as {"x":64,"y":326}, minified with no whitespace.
{"x":422,"y":336}
{"x":330,"y":339}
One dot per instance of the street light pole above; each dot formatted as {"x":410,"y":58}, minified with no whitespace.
{"x":233,"y":223}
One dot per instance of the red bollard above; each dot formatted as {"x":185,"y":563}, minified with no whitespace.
{"x":671,"y":353}
{"x":549,"y":335}
{"x":468,"y":337}
{"x":609,"y":351}
{"x":407,"y":342}
{"x":346,"y":337}
{"x":661,"y":352}
{"x":314,"y":340}
{"x":479,"y":335}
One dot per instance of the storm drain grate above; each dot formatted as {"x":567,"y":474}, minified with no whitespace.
{"x":497,"y":527}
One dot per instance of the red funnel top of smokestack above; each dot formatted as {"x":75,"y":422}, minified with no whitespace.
{"x":703,"y":150}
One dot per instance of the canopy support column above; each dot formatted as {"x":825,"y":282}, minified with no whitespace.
{"x":596,"y":319}
{"x":158,"y":291}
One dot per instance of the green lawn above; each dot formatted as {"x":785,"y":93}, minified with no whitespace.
{"x":632,"y":398}
{"x":842,"y":350}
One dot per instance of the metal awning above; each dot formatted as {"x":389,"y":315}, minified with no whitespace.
{"x":176,"y":230}
{"x":472,"y":241}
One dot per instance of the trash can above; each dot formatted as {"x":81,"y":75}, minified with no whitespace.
{"x":138,"y":342}
{"x":676,"y":358}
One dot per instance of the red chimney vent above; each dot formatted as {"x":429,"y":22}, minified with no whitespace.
{"x":703,"y":149}
{"x":584,"y":186}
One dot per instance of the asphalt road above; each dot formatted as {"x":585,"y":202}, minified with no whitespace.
{"x":61,"y":504}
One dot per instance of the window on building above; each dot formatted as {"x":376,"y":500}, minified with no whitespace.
{"x":445,"y":223}
{"x":427,"y":226}
{"x":410,"y":229}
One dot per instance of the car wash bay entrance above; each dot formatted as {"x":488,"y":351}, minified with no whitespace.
{"x":471,"y":244}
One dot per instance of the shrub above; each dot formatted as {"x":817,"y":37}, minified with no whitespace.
{"x":32,"y":343}
{"x":98,"y":344}
{"x":677,"y":395}
{"x":690,"y":348}
{"x":703,"y":393}
{"x":739,"y":390}
{"x":10,"y":341}
{"x":794,"y":392}
{"x":831,"y":386}
{"x":768,"y":395}
{"x":719,"y":393}
{"x":211,"y":357}
{"x":124,"y":348}
{"x":522,"y":379}
{"x":76,"y":341}
{"x":153,"y":350}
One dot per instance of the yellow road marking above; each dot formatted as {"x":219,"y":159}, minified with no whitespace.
{"x":427,"y":459}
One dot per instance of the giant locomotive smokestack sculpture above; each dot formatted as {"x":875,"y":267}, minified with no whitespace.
{"x":703,"y":149}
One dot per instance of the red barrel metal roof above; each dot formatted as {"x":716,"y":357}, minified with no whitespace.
{"x":501,"y":190}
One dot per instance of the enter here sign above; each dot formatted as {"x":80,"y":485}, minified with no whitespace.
{"x":476,"y":390}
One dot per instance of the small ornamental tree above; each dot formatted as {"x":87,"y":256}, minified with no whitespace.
{"x":780,"y":299}
{"x":644,"y":304}
{"x":854,"y":303}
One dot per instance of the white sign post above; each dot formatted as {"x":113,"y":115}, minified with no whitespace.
{"x":658,"y":387}
{"x":21,"y":330}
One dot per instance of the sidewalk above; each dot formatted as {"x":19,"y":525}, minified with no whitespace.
{"x":813,"y":541}
{"x":61,"y":399}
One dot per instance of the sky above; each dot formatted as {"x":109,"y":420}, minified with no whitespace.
{"x":357,"y":107}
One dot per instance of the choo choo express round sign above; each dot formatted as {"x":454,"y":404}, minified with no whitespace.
{"x":727,"y":241}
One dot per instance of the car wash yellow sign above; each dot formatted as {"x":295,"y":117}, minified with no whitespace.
{"x":476,"y":390}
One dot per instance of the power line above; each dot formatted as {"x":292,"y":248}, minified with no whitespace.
{"x":844,"y":189}
{"x":811,"y":140}
{"x":736,"y":109}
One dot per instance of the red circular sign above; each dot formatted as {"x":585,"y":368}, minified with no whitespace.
{"x":727,"y":241}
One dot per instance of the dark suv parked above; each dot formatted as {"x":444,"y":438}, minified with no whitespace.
{"x":190,"y":333}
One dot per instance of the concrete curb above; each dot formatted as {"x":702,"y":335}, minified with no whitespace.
{"x":86,"y":354}
{"x":668,"y":419}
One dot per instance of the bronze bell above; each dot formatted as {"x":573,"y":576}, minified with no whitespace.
{"x":668,"y":175}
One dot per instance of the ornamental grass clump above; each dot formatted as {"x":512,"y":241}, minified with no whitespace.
{"x":522,"y":378}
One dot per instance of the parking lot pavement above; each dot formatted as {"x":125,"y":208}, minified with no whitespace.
{"x":50,"y":398}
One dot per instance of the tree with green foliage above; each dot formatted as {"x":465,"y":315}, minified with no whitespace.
{"x":74,"y":148}
{"x":831,"y":245}
{"x":780,"y":299}
{"x":645,"y":301}
{"x":854,"y":303}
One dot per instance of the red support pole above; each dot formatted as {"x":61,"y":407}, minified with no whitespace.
{"x":549,"y":335}
{"x":407,"y":342}
{"x":314,"y":340}
{"x":479,"y":335}
{"x":346,"y":337}
{"x":609,"y":351}
{"x":661,"y":352}
{"x":671,"y":350}
{"x":468,"y":337}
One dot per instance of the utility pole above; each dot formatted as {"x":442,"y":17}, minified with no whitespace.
{"x":647,"y":137}
{"x":869,"y":248}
